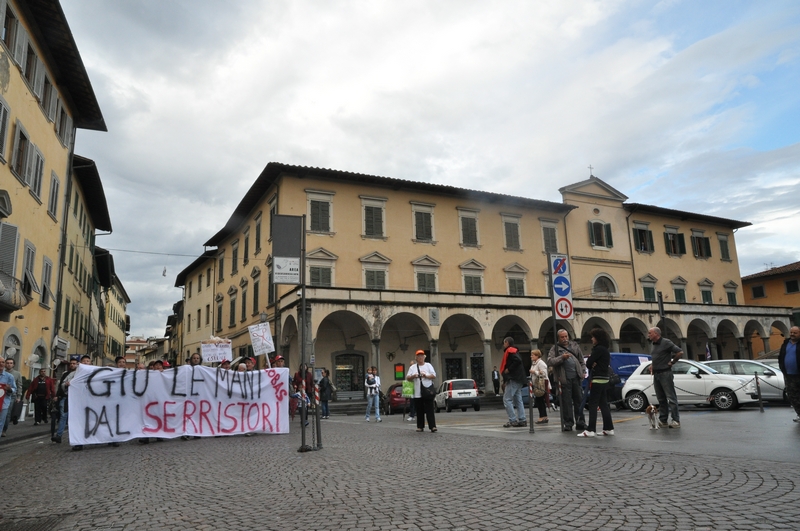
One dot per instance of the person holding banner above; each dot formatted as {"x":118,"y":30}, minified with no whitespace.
{"x":62,"y":392}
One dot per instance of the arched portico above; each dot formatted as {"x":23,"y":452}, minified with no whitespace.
{"x":698,"y":338}
{"x":633,"y":336}
{"x":728,"y":345}
{"x":461,"y":350}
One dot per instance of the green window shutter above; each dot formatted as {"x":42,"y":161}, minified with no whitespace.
{"x":325,"y":276}
{"x":694,"y":245}
{"x":609,"y":240}
{"x":375,"y":279}
{"x":681,"y":244}
{"x":650,"y":246}
{"x":723,"y":250}
{"x":373,"y":221}
{"x":680,"y":295}
{"x":591,"y":233}
{"x":732,"y":298}
{"x":512,"y":235}
{"x":315,"y":276}
{"x":469,"y":230}
{"x":550,"y":240}
{"x":423,"y":226}
{"x":649,"y":294}
{"x":667,"y":244}
{"x":707,"y":246}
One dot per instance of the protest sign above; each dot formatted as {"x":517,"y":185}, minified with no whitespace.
{"x":215,"y":350}
{"x":261,"y":339}
{"x":111,"y":405}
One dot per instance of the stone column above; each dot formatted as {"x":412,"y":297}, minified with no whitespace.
{"x":766,"y":344}
{"x":487,"y":365}
{"x":712,"y":347}
{"x":435,"y":361}
{"x":743,"y":354}
{"x":615,"y":345}
{"x":684,"y":348}
{"x":376,"y":354}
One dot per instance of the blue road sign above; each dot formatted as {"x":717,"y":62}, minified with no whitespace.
{"x":561,"y":286}
{"x":560,"y":265}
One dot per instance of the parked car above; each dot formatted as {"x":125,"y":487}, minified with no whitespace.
{"x":770,"y":379}
{"x":395,"y":402}
{"x":695,"y":384}
{"x":772,"y":363}
{"x":457,"y":394}
{"x":624,"y":364}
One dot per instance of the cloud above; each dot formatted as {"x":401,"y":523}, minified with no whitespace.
{"x":669,"y":103}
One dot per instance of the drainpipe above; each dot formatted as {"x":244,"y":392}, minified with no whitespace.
{"x":630,"y":247}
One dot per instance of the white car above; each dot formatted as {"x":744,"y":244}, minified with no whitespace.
{"x":770,"y":379}
{"x":461,"y":393}
{"x":695,"y":384}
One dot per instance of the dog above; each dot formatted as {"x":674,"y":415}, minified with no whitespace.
{"x":652,"y":416}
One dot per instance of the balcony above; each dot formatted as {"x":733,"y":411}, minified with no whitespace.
{"x":12,"y":297}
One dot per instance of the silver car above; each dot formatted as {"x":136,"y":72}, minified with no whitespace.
{"x":769,"y":379}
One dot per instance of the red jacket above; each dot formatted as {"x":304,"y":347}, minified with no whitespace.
{"x":49,"y":383}
{"x":505,"y":358}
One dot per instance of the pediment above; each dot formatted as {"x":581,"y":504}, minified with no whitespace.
{"x":320,"y":253}
{"x":375,"y":258}
{"x":232,"y":290}
{"x":705,"y":283}
{"x":219,"y":297}
{"x":243,"y":282}
{"x":648,"y":278}
{"x":426,"y":260}
{"x":679,"y":280}
{"x":516,"y":267}
{"x":255,"y":272}
{"x":594,"y":187}
{"x":730,"y":285}
{"x":472,"y":264}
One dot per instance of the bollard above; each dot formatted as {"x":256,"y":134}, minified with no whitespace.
{"x":317,"y":415}
{"x":758,"y":390}
{"x":530,"y":406}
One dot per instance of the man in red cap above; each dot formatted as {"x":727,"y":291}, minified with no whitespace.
{"x":280,"y":362}
{"x":225,"y":364}
{"x":250,"y":363}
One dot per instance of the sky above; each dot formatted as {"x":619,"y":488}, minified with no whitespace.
{"x":682,"y":104}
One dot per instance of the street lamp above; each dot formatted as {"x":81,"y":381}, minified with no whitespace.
{"x":263,"y":317}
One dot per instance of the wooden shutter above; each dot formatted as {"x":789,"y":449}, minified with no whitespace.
{"x":9,"y":239}
{"x":2,"y":13}
{"x":3,"y":129}
{"x":512,"y":235}
{"x":707,"y":246}
{"x":694,"y":245}
{"x":550,"y":240}
{"x":469,"y":230}
{"x":20,"y":46}
{"x":609,"y":240}
{"x":681,"y":244}
{"x":373,"y":221}
{"x":423,"y":226}
{"x":591,"y":233}
{"x":38,"y":79}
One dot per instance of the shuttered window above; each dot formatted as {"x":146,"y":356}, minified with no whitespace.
{"x":426,"y":282}
{"x":472,"y":284}
{"x":375,"y":279}
{"x":600,"y":234}
{"x":512,"y":235}
{"x":320,"y":216}
{"x":423,"y":226}
{"x":373,"y":222}
{"x":320,"y":276}
{"x":469,"y":231}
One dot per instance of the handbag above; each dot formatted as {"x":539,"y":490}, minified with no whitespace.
{"x":539,"y":386}
{"x":427,"y":393}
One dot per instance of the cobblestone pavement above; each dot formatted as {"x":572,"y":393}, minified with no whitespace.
{"x":470,"y":475}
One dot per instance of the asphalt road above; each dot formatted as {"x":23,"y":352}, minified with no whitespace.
{"x":733,"y":470}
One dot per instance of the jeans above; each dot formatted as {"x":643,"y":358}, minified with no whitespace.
{"x":571,"y":400}
{"x":8,"y":415}
{"x":325,"y":411}
{"x":664,"y":385}
{"x":4,"y":414}
{"x":374,"y":399}
{"x":62,"y":424}
{"x":598,"y":396}
{"x":512,"y":400}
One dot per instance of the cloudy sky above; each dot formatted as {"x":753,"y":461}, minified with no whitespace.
{"x":689,"y":105}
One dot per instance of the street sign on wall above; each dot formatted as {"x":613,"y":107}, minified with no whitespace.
{"x":562,"y":287}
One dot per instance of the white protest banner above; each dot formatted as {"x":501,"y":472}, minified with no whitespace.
{"x":215,"y":349}
{"x":112,"y":405}
{"x":261,"y":339}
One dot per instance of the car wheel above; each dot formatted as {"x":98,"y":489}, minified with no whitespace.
{"x":724,"y":400}
{"x":447,"y":406}
{"x":476,"y":407}
{"x":636,"y":401}
{"x":463,"y":409}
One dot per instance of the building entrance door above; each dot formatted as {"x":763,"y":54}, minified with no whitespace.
{"x":453,"y":368}
{"x":476,"y":368}
{"x":348,"y":376}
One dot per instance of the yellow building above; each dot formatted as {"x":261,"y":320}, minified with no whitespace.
{"x":195,"y":321}
{"x":777,"y":286}
{"x":45,"y":94}
{"x":113,"y":306}
{"x":393,"y":266}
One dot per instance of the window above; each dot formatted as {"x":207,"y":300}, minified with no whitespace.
{"x":47,"y":273}
{"x":724,"y":251}
{"x":426,"y":281}
{"x":52,"y":204}
{"x":375,"y":279}
{"x":642,"y":237}
{"x":189,"y":322}
{"x":219,"y":316}
{"x":680,"y":294}
{"x":701,"y":246}
{"x":273,"y":211}
{"x":208,"y":314}
{"x":604,"y":286}
{"x":200,"y":283}
{"x":4,"y":113}
{"x":66,"y":313}
{"x":19,"y":161}
{"x":232,"y":316}
{"x":256,"y":284}
{"x":30,"y":66}
{"x":320,"y":211}
{"x":707,"y":296}
{"x":244,"y":304}
{"x":472,"y":284}
{"x":649,"y":293}
{"x":189,"y":290}
{"x":10,"y":29}
{"x":511,"y":231}
{"x":48,"y":99}
{"x":320,"y":276}
{"x":235,"y":257}
{"x":549,"y":235}
{"x":199,"y":320}
{"x":732,"y":298}
{"x":29,"y":284}
{"x":246,"y":257}
{"x":516,"y":287}
{"x":208,"y":277}
{"x":792,"y":286}
{"x":71,"y":255}
{"x":63,"y":125}
{"x":270,"y":287}
{"x":258,"y":234}
{"x":221,"y":267}
{"x":372,"y":216}
{"x":423,"y":222}
{"x":600,"y":234}
{"x":468,"y":220}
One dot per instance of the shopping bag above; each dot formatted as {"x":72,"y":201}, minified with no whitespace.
{"x":408,"y":389}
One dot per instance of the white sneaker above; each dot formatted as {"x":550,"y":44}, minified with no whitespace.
{"x":367,"y":419}
{"x":411,"y":419}
{"x":380,"y":420}
{"x":796,"y":419}
{"x":587,"y":433}
{"x":608,"y":432}
{"x":674,"y":424}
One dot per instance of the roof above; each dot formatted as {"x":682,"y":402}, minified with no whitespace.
{"x":180,"y":280}
{"x":88,"y":178}
{"x":685,"y":216}
{"x":121,"y":289}
{"x":577,"y":188}
{"x":52,"y":33}
{"x":274,"y":170}
{"x":105,"y":266}
{"x":774,"y":272}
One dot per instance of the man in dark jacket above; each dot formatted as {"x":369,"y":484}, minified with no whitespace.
{"x":569,"y":368}
{"x":513,"y":381}
{"x":41,"y":390}
{"x":789,"y":362}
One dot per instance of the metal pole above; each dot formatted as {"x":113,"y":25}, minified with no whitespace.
{"x":303,"y":411}
{"x":530,"y":406}
{"x":758,"y":390}
{"x":555,"y":332}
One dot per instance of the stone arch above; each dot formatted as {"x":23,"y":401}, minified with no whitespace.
{"x":755,"y":338}
{"x":546,"y":337}
{"x":781,"y":327}
{"x":403,"y":334}
{"x":698,"y":337}
{"x":727,"y":340}
{"x":596,"y":322}
{"x":604,"y":285}
{"x":460,"y":336}
{"x":289,"y":342}
{"x":671,"y":330}
{"x":633,"y":336}
{"x":343,"y":343}
{"x":13,"y":340}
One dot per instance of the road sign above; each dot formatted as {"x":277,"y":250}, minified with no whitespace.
{"x":559,"y":264}
{"x":562,"y":286}
{"x":564,"y":308}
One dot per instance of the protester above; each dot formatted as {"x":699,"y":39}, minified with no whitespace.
{"x":569,"y":368}
{"x":789,"y":363}
{"x":372,"y":384}
{"x":514,"y":380}
{"x":325,"y":393}
{"x":250,"y":363}
{"x":140,"y":366}
{"x":17,"y":398}
{"x":280,"y":362}
{"x":598,"y":364}
{"x":40,"y":390}
{"x":241,"y":367}
{"x":158,"y":365}
{"x":539,"y":372}
{"x":120,"y":361}
{"x":63,"y":404}
{"x":225,"y":364}
{"x":195,"y":359}
{"x":422,"y":373}
{"x":9,"y":388}
{"x":664,"y":354}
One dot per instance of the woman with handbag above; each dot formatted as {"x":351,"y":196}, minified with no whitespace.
{"x":539,"y":380}
{"x":598,"y":365}
{"x":423,"y":374}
